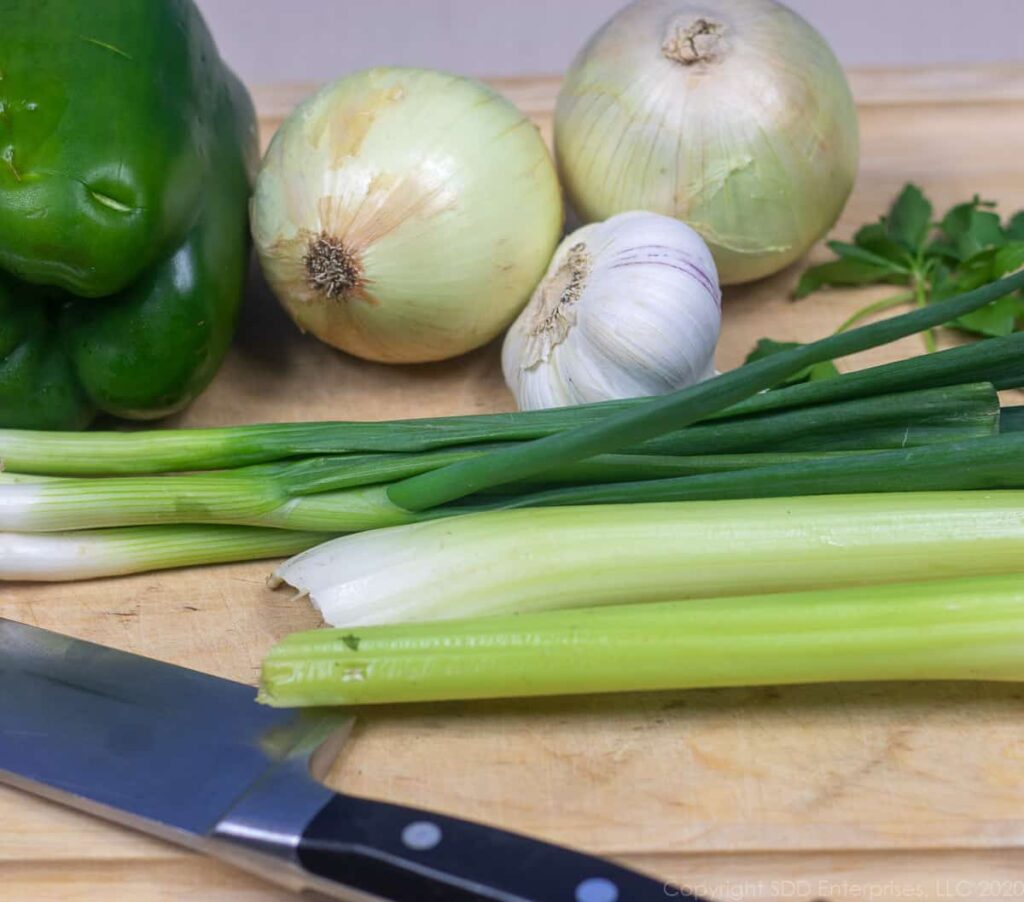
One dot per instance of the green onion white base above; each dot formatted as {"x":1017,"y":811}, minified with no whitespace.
{"x":87,"y":554}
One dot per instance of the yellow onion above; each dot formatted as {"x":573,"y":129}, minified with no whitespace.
{"x":406,"y":215}
{"x":732,"y":115}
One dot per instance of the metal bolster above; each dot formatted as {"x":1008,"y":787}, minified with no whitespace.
{"x":262,"y":830}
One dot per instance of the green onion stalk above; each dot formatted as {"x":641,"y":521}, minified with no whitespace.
{"x":519,"y":561}
{"x":904,"y":419}
{"x":887,"y":421}
{"x":270,"y":496}
{"x":999,"y":361}
{"x":88,"y":554}
{"x":996,"y":462}
{"x":1011,"y":419}
{"x":62,"y":504}
{"x":655,"y":417}
{"x":324,"y":474}
{"x":308,"y":494}
{"x":971,"y":629}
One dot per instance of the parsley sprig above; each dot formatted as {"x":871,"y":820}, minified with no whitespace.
{"x":968,"y":247}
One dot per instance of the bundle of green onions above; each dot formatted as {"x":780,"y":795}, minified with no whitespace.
{"x":120,"y":502}
{"x":626,"y":539}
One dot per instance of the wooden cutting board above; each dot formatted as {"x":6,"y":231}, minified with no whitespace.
{"x":852,"y":792}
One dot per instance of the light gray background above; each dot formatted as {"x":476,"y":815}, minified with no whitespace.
{"x":270,"y":41}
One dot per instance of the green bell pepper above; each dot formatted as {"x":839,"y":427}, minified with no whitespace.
{"x":127,"y":151}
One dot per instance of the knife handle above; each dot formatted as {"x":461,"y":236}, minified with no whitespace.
{"x":401,"y":854}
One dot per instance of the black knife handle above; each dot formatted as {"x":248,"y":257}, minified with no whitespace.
{"x":406,"y":855}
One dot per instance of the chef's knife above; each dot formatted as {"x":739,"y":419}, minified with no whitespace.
{"x":195,"y":760}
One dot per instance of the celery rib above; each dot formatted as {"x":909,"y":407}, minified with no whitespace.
{"x":516,"y":561}
{"x":946,"y":630}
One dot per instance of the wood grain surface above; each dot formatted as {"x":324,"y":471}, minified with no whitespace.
{"x":882,"y":792}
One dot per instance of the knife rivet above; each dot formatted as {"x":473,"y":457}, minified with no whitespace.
{"x":597,"y":889}
{"x":421,"y":835}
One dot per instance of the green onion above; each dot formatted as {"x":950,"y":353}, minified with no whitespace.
{"x":170,"y":450}
{"x":913,"y":418}
{"x":18,"y":478}
{"x":1011,"y":419}
{"x":996,"y":462}
{"x":997,"y":360}
{"x":60,"y":503}
{"x":31,"y":503}
{"x":612,"y":468}
{"x":891,"y":421}
{"x":320,"y":474}
{"x":516,"y":561}
{"x":946,"y":630}
{"x":113,"y":552}
{"x":887,"y":421}
{"x":657,"y":416}
{"x":272,"y":494}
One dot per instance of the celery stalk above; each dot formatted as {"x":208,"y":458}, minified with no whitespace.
{"x":944,"y":630}
{"x":518,"y":561}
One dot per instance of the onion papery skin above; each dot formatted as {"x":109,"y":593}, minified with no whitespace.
{"x":749,"y":134}
{"x":405,"y":215}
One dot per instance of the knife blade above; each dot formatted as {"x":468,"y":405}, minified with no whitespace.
{"x":196,"y":760}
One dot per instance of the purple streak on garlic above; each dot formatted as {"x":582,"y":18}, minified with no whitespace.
{"x":630,"y":307}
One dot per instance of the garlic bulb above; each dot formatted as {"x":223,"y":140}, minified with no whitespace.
{"x":629,"y":307}
{"x":732,"y":115}
{"x":406,"y":215}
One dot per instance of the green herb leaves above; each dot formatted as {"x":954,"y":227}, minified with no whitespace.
{"x":910,"y":219}
{"x":969,"y":247}
{"x":982,"y":266}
